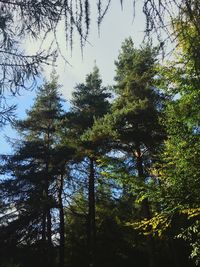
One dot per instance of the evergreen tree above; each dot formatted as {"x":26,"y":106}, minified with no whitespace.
{"x":134,"y":122}
{"x":35,"y":168}
{"x":89,"y":102}
{"x":137,"y":111}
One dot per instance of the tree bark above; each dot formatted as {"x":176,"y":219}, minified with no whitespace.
{"x":62,"y":224}
{"x":44,"y":225}
{"x":48,"y":178}
{"x":43,"y":244}
{"x":49,"y":232}
{"x":48,"y":205}
{"x":48,"y":228}
{"x":91,"y":215}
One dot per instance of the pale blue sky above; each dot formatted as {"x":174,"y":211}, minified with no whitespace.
{"x":104,"y":49}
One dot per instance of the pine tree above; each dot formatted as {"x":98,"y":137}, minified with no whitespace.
{"x":38,"y":167}
{"x":89,"y":103}
{"x":137,"y":111}
{"x":133,"y":125}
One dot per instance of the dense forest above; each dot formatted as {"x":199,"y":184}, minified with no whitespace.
{"x":114,"y":179}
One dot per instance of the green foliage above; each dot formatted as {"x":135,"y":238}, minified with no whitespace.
{"x":191,"y":235}
{"x":178,"y":170}
{"x":131,"y":166}
{"x":89,"y":102}
{"x":30,"y":189}
{"x":134,"y":117}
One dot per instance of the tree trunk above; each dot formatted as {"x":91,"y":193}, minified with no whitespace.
{"x":47,"y":181}
{"x":43,"y":244}
{"x":145,"y":207}
{"x":48,"y":228}
{"x":48,"y":211}
{"x":49,"y":233}
{"x":62,"y":224}
{"x":91,"y":214}
{"x":44,"y":225}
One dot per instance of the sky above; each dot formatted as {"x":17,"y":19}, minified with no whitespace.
{"x":102,"y":49}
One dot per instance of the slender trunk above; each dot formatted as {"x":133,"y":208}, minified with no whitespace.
{"x":62,"y":224}
{"x":43,"y":244}
{"x":139,"y":162}
{"x":91,"y":214}
{"x":48,"y":210}
{"x":44,"y":225}
{"x":47,"y":181}
{"x":49,"y":226}
{"x":49,"y":232}
{"x":145,"y":207}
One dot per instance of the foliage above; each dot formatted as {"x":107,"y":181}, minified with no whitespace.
{"x":178,"y":171}
{"x":112,"y":181}
{"x":30,"y":188}
{"x":23,"y":20}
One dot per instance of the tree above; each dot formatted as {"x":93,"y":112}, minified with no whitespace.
{"x":179,"y":172}
{"x":36,"y":172}
{"x":24,"y":20}
{"x":134,"y":122}
{"x":90,"y":101}
{"x":137,"y":111}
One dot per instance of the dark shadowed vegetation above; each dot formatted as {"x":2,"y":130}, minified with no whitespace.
{"x":114,"y":179}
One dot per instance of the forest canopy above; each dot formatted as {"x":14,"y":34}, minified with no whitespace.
{"x":113,"y":180}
